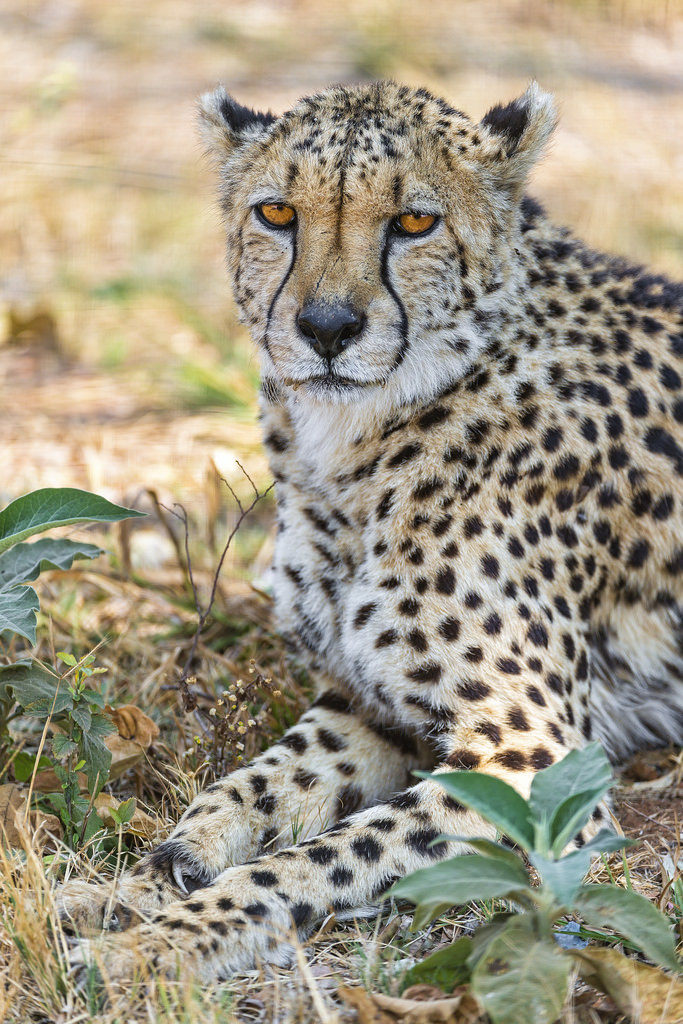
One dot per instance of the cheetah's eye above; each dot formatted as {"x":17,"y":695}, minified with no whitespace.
{"x":277,"y":215}
{"x":414,"y":223}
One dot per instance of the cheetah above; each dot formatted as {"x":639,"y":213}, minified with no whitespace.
{"x":474,"y":424}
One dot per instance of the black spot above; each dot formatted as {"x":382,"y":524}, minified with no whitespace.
{"x":445,"y":580}
{"x":417,"y":640}
{"x":304,"y":779}
{"x":615,"y":425}
{"x":473,"y":526}
{"x":266,"y":804}
{"x":426,"y":488}
{"x":330,"y":740}
{"x":420,"y":841}
{"x":463,"y":760}
{"x":638,"y":553}
{"x":449,"y":629}
{"x":265,"y":878}
{"x":321,"y":854}
{"x":474,"y":689}
{"x":295,"y":741}
{"x":258,"y":783}
{"x":363,"y":614}
{"x":535,"y":696}
{"x":663,"y":508}
{"x":383,"y":824}
{"x":350,"y":798}
{"x":493,"y":624}
{"x":515,"y":547}
{"x":491,"y":731}
{"x":333,"y":702}
{"x":490,"y":566}
{"x":429,"y":672}
{"x":660,"y":442}
{"x":514,"y":760}
{"x":589,"y":430}
{"x":405,"y":801}
{"x":518,"y":720}
{"x":256,"y":909}
{"x":384,"y":506}
{"x":433,"y":417}
{"x":225,"y":903}
{"x":340,"y":877}
{"x":451,"y":804}
{"x":538,"y":634}
{"x":568,"y":466}
{"x":366,"y":848}
{"x":540,"y":758}
{"x":300,"y":913}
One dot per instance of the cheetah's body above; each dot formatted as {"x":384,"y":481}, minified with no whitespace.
{"x":479,"y":502}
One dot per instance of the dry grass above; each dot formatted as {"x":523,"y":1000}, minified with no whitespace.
{"x":122,"y":369}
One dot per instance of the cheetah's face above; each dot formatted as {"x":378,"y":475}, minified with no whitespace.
{"x":366,"y":233}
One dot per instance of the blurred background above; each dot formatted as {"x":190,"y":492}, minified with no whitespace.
{"x":121,"y":363}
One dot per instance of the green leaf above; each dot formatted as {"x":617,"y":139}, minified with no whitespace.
{"x":97,"y":755}
{"x":436,"y":888}
{"x":62,"y":746}
{"x":24,"y":765}
{"x":55,"y":506}
{"x":632,"y":916}
{"x":488,"y":848}
{"x":82,"y":715}
{"x":521,"y":977}
{"x":24,"y":562}
{"x":484,"y":934}
{"x":18,"y":612}
{"x":570,"y":816}
{"x":446,"y":968}
{"x":126,"y":810}
{"x":93,"y":825}
{"x":67,"y":658}
{"x":93,"y":698}
{"x":578,"y":772}
{"x":34,"y":688}
{"x":492,"y":798}
{"x":564,"y":876}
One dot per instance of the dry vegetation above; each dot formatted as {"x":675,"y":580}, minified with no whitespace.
{"x":122,"y":370}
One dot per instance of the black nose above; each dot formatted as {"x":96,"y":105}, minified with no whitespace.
{"x":328,"y":328}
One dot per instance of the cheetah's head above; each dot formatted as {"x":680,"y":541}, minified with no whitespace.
{"x":371,"y":232}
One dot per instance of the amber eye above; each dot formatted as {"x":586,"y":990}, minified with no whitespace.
{"x":414,"y":223}
{"x":277,"y":214}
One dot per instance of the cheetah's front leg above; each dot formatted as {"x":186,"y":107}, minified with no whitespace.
{"x":327,"y":766}
{"x":249,"y":913}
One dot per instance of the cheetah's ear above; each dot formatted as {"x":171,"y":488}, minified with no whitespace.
{"x":519,"y":133}
{"x":226,"y":124}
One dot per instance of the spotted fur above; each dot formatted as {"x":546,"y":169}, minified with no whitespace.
{"x":479,"y":494}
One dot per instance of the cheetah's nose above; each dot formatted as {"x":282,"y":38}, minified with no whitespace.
{"x":328,"y":328}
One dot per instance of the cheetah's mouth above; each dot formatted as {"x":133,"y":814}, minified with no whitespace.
{"x":332,"y":382}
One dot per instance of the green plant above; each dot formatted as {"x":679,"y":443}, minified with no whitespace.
{"x":515,"y":966}
{"x":61,"y":700}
